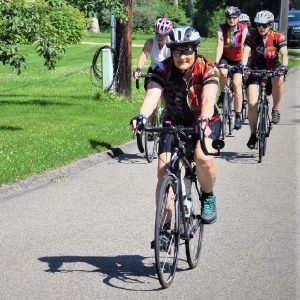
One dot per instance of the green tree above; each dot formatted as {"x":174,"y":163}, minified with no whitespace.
{"x":98,"y":8}
{"x":145,"y":13}
{"x":50,"y":25}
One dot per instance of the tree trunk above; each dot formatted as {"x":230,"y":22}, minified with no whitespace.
{"x":191,"y":11}
{"x":123,"y":47}
{"x":284,"y":10}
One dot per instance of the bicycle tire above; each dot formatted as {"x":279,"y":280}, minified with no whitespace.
{"x":261,"y":133}
{"x":139,"y":141}
{"x":150,"y":140}
{"x":166,"y":257}
{"x":265,"y":120}
{"x":194,"y":243}
{"x":244,"y":105}
{"x":224,"y":116}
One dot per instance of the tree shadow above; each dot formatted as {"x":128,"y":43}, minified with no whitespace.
{"x":10,"y":128}
{"x":129,"y":269}
{"x":34,"y":102}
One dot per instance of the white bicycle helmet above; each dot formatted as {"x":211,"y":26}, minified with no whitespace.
{"x":163,"y":26}
{"x":183,"y":35}
{"x":232,"y":11}
{"x":264,"y":17}
{"x":244,"y":18}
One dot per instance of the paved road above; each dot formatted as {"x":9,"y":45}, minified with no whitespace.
{"x":87,"y":235}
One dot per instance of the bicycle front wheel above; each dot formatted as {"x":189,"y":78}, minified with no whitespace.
{"x":225,"y":115}
{"x":150,"y":140}
{"x":167,"y":231}
{"x":195,"y":228}
{"x":261,"y":132}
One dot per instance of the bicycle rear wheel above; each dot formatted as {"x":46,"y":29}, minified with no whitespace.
{"x":150,"y":140}
{"x":167,"y":231}
{"x":195,"y":228}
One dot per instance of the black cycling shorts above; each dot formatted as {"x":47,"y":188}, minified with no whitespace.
{"x":225,"y":61}
{"x":255,"y":80}
{"x":166,"y":141}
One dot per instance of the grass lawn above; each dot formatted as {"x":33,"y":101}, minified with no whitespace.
{"x":51,"y":118}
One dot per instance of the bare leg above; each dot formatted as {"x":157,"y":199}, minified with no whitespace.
{"x":253,"y":93}
{"x":205,"y":168}
{"x":237,"y":89}
{"x":277,"y":91}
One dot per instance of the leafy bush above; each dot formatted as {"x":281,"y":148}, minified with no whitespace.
{"x":50,"y":25}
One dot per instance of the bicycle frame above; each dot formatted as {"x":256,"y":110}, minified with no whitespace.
{"x":179,"y":156}
{"x":227,"y":110}
{"x":264,"y":125}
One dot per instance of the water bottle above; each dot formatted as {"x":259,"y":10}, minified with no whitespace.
{"x":187,"y":201}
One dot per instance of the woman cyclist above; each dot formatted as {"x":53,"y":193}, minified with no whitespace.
{"x":230,"y":39}
{"x":185,"y":79}
{"x":156,"y":46}
{"x":245,"y":19}
{"x":265,"y":46}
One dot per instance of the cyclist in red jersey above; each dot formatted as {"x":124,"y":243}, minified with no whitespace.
{"x":230,"y":39}
{"x":265,"y":46}
{"x":188,"y":84}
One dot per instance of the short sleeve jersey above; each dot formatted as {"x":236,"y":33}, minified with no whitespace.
{"x":265,"y":55}
{"x":232,"y":49}
{"x":178,"y":95}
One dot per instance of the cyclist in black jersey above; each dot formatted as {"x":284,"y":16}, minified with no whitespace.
{"x":188,"y":85}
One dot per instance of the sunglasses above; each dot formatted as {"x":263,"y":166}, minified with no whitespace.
{"x":183,"y":52}
{"x":262,"y":25}
{"x":160,"y":35}
{"x":232,"y":17}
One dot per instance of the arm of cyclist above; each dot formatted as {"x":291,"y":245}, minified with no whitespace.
{"x":246,"y":54}
{"x":143,"y":58}
{"x":284,"y":59}
{"x":220,"y":45}
{"x":208,"y":105}
{"x":153,"y":94}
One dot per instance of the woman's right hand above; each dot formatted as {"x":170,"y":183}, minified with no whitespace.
{"x":137,"y":73}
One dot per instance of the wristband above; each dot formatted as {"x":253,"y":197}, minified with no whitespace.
{"x":138,"y":69}
{"x":143,"y":116}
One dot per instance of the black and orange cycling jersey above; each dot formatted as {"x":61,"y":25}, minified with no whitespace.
{"x":265,"y":56}
{"x":178,"y":95}
{"x":232,"y":49}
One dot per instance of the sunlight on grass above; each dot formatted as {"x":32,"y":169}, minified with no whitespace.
{"x":51,"y":118}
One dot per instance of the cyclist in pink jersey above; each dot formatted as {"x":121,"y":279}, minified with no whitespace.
{"x":230,"y":39}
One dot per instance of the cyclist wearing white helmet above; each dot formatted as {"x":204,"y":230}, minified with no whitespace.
{"x":265,"y":47}
{"x":188,"y":85}
{"x":245,"y":19}
{"x":156,"y":46}
{"x":230,"y":39}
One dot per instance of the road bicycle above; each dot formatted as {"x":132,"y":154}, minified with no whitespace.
{"x":264,"y":124}
{"x":178,"y":215}
{"x":228,"y":101}
{"x":147,"y":142}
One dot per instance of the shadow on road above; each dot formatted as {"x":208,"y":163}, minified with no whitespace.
{"x":236,"y":157}
{"x":120,"y":271}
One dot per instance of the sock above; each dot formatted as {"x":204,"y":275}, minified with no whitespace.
{"x":206,"y":195}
